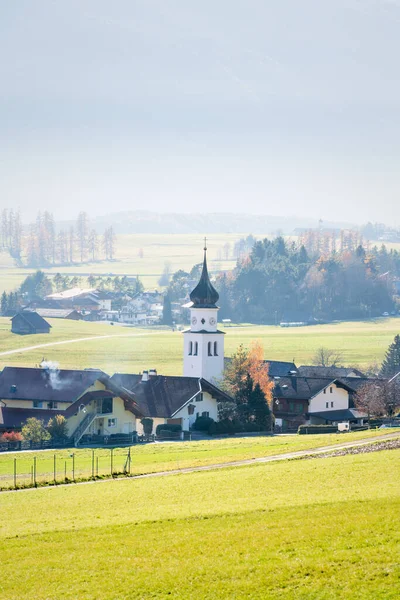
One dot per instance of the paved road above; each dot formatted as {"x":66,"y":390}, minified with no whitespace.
{"x":85,"y":339}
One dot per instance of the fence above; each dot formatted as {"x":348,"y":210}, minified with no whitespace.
{"x":44,"y":468}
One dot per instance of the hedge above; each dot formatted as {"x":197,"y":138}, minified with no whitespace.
{"x":308,"y":429}
{"x":172,"y":427}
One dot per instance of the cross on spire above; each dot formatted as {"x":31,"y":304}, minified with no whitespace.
{"x":205,"y":244}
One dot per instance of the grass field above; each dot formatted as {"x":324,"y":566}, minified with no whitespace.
{"x":132,"y":350}
{"x":155,"y":458}
{"x":311,"y":530}
{"x":181,"y":251}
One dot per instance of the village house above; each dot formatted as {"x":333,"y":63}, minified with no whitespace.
{"x":316,"y":401}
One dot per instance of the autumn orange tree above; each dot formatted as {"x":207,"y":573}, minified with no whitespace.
{"x":247,"y":380}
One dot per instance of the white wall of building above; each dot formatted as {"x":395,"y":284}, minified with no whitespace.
{"x":204,"y":403}
{"x":332,"y":398}
{"x":203,"y":346}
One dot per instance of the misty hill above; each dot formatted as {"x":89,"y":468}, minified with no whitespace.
{"x":153,"y":222}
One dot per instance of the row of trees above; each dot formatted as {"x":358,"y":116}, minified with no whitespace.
{"x":45,"y":244}
{"x":281,"y":281}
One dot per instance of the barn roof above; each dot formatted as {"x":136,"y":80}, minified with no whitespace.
{"x":32,"y":318}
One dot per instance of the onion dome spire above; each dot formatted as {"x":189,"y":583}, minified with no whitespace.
{"x":204,"y":294}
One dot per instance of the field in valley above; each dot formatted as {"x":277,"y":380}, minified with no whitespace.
{"x":318,"y":529}
{"x":140,"y":254}
{"x":129,"y":349}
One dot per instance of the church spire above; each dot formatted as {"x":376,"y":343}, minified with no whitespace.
{"x":204,"y":294}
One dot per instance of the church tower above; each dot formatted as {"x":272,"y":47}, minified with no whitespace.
{"x":203,"y":343}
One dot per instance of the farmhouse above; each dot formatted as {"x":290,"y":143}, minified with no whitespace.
{"x":168,"y":399}
{"x":315,"y":400}
{"x":28,"y":322}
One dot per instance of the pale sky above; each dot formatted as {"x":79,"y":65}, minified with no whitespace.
{"x":259,"y":106}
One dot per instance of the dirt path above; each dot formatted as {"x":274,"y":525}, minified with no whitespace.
{"x":85,"y":339}
{"x":238,"y":463}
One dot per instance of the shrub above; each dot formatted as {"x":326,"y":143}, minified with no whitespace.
{"x":170,"y":427}
{"x":212,"y":430}
{"x":147,"y":425}
{"x":57,"y":428}
{"x":305,"y":429}
{"x":11,"y":436}
{"x":202,"y":423}
{"x":34,"y":430}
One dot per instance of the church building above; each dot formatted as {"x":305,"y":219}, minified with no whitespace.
{"x":203,"y":342}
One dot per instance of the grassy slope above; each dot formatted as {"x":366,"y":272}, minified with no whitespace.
{"x":317,"y":529}
{"x":361,"y":343}
{"x":161,"y":457}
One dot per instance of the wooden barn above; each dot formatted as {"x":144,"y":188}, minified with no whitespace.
{"x":29,"y":322}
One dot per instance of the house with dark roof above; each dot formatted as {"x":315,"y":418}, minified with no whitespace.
{"x":170,"y":399}
{"x":93,"y":404}
{"x":29,"y":322}
{"x":315,"y":400}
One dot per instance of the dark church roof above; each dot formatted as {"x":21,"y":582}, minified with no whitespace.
{"x":162,"y":396}
{"x":204,"y":294}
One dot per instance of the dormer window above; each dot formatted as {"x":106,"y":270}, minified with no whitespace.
{"x":13,"y":389}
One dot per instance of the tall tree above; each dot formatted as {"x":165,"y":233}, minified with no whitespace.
{"x":167,"y":312}
{"x":391,"y":362}
{"x":82,"y":234}
{"x":93,"y":244}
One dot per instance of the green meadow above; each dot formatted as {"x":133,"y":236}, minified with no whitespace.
{"x":72,"y":463}
{"x":322,"y":529}
{"x":140,"y":254}
{"x":129,"y":349}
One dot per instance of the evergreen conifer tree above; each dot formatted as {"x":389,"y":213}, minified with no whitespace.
{"x":258,"y":407}
{"x":167,"y":312}
{"x":391,"y":362}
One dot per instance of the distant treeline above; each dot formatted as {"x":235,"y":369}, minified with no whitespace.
{"x":283,"y":281}
{"x":43,"y":245}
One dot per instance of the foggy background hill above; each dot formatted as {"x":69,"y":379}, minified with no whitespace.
{"x":257,"y":106}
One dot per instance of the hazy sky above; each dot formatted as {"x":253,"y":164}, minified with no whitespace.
{"x":261,"y":106}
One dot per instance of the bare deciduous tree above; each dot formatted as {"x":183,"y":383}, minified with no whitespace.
{"x":325,"y":357}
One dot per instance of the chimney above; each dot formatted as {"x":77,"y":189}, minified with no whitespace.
{"x":145,"y":376}
{"x":152,"y":372}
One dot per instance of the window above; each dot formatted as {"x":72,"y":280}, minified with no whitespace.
{"x":331,"y":404}
{"x":199,"y":397}
{"x":52,"y":405}
{"x":215,"y":349}
{"x":291,"y":406}
{"x":324,"y":390}
{"x":190,"y":348}
{"x":326,"y":404}
{"x":209,"y":349}
{"x":299,"y":407}
{"x":191,"y":408}
{"x":205,"y":413}
{"x":106,"y":405}
{"x":37,"y":404}
{"x":331,"y":390}
{"x":196,"y":349}
{"x":13,"y":389}
{"x":112,"y":422}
